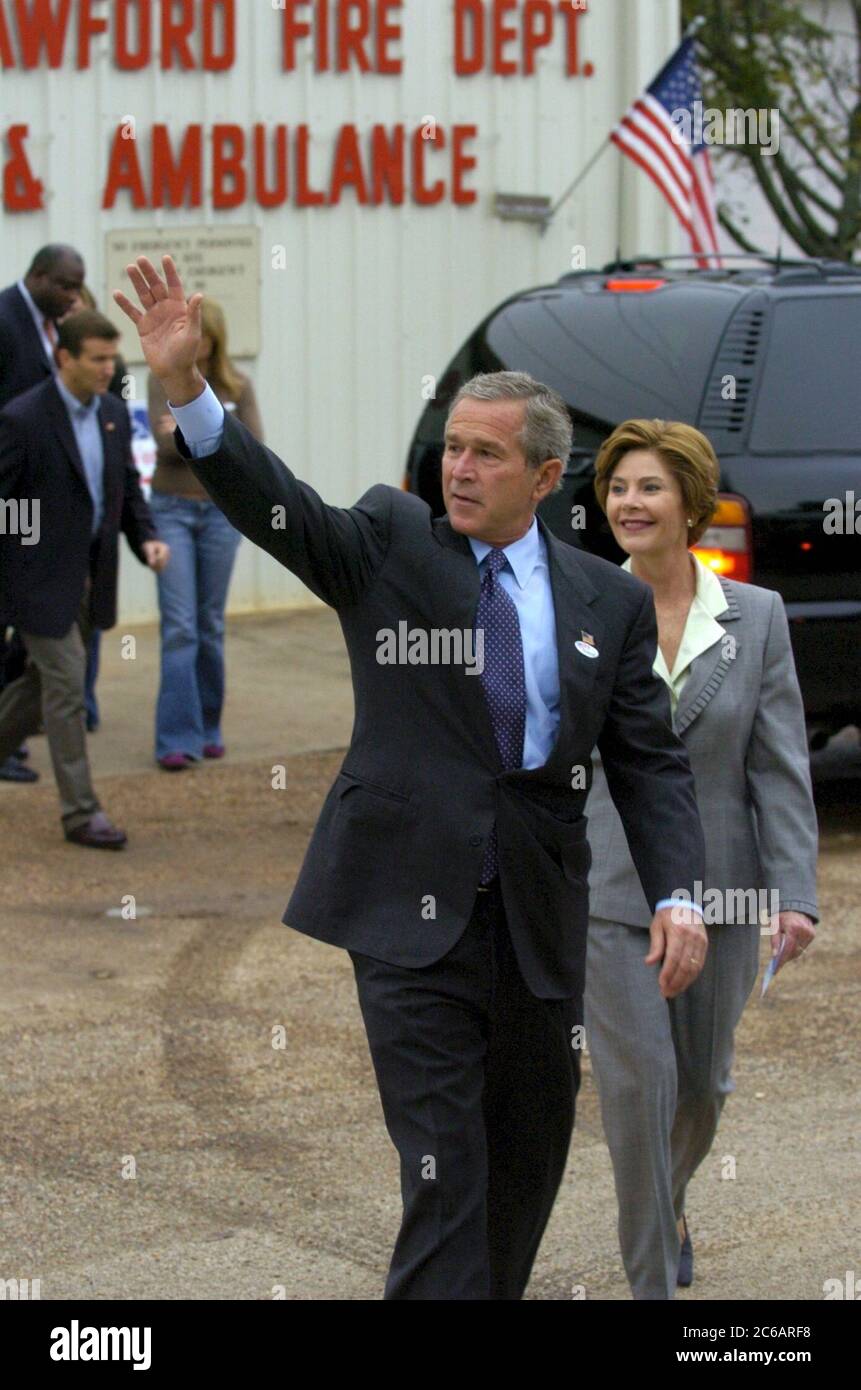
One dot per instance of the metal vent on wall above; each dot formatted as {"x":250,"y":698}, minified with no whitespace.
{"x":737,"y":359}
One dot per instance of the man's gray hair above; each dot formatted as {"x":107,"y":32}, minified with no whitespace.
{"x":547,"y":431}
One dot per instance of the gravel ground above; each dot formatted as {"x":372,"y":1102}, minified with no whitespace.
{"x":156,"y":1145}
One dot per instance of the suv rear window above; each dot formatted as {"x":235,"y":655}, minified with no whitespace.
{"x":809,"y":399}
{"x":614,"y":356}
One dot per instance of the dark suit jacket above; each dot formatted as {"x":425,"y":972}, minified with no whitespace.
{"x":41,"y":586}
{"x":396,"y":856}
{"x":22,"y":358}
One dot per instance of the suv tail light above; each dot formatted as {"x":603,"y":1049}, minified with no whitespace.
{"x":727,"y":546}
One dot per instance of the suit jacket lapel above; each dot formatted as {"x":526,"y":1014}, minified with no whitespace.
{"x":31,"y":332}
{"x":113,"y":463}
{"x":58,"y":417}
{"x":709,"y":668}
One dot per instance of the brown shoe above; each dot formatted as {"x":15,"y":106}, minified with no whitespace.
{"x":98,"y":833}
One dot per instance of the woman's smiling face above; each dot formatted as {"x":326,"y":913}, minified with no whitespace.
{"x":645,"y":507}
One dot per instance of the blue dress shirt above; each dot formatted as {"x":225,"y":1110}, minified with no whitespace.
{"x":88,"y":437}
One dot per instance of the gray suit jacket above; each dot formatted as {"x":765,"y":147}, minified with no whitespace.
{"x":741,"y":719}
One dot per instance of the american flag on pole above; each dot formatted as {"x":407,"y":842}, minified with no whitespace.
{"x":680,"y":167}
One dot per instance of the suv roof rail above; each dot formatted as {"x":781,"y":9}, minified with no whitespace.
{"x":788,"y":269}
{"x":817,"y":269}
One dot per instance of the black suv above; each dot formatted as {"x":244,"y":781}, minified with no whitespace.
{"x":765,"y":359}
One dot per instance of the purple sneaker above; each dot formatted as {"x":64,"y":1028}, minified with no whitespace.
{"x":175,"y":762}
{"x":214,"y":750}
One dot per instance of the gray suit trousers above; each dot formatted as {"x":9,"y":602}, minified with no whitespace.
{"x":662,"y":1068}
{"x":51,"y":693}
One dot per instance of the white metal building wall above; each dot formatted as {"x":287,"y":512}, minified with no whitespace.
{"x":373,"y":299}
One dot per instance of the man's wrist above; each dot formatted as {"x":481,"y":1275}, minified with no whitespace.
{"x":182,"y":388}
{"x":679,"y":902}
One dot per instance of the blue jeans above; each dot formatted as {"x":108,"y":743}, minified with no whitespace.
{"x":192,"y":592}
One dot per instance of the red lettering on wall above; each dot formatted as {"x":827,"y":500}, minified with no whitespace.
{"x":21,"y":191}
{"x":536,"y":35}
{"x":175,"y":32}
{"x":215,"y":59}
{"x":41,"y":25}
{"x":386,"y":33}
{"x":572,"y":18}
{"x":351,"y":39}
{"x":423,"y":195}
{"x":293,"y":28}
{"x":88,"y":25}
{"x":270,"y":197}
{"x":124,"y":172}
{"x":347,"y":166}
{"x":387,"y":163}
{"x":373,"y":166}
{"x":306,"y":196}
{"x":180,"y":183}
{"x":364,"y":33}
{"x":321,"y":59}
{"x":462,"y":163}
{"x":228,"y":166}
{"x":7,"y":57}
{"x":503,"y":34}
{"x":468,"y":37}
{"x":126,"y":58}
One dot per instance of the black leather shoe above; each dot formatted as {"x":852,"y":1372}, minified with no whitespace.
{"x":14,"y":771}
{"x":98,"y":833}
{"x":685,"y":1276}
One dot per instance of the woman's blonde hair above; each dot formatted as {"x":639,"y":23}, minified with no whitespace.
{"x":682,"y":449}
{"x":220,"y":371}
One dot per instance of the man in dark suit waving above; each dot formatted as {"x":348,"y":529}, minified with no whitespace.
{"x":68,"y":486}
{"x":450,"y":857}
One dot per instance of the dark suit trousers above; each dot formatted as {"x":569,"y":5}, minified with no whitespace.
{"x":478,"y":1080}
{"x":51,"y":693}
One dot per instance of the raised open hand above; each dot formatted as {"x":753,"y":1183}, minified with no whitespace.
{"x":169,"y":326}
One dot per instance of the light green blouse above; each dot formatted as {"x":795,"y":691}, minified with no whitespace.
{"x":701,"y":630}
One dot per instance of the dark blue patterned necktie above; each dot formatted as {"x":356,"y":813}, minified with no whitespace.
{"x":503,"y":678}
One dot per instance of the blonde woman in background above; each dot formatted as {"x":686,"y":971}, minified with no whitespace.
{"x":662,"y":1066}
{"x":193,"y":588}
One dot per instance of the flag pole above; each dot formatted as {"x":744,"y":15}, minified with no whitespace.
{"x":690,"y":33}
{"x":551,"y":212}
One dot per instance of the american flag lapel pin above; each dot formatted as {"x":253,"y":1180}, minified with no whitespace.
{"x":109,"y":425}
{"x":586,"y":645}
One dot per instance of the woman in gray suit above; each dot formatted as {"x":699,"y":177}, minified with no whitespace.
{"x":662,"y":1065}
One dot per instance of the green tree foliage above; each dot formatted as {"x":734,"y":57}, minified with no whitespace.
{"x":772,"y":54}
